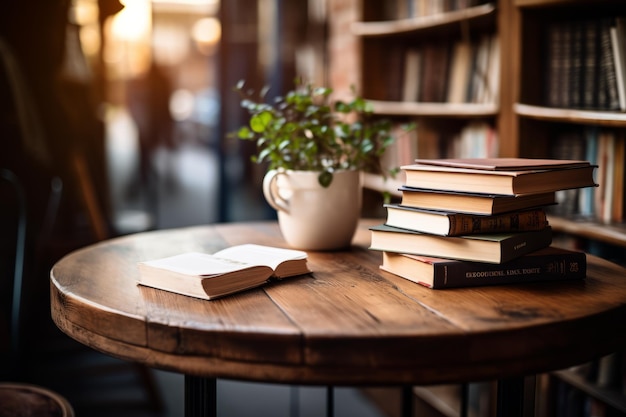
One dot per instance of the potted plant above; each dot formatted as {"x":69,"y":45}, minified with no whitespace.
{"x":315,"y":148}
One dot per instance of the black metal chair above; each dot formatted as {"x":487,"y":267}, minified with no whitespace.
{"x":18,"y":398}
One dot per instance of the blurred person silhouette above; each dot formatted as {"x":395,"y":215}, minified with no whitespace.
{"x":148,"y":102}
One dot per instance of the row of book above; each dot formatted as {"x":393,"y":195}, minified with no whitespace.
{"x":479,"y":221}
{"x":606,"y":374}
{"x":476,"y":139}
{"x":586,"y":67}
{"x":406,"y":9}
{"x":464,"y":71}
{"x":607,"y":149}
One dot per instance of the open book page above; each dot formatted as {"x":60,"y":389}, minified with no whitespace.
{"x":261,"y":255}
{"x":198,"y":264}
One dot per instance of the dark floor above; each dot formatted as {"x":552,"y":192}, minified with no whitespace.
{"x":186,"y":195}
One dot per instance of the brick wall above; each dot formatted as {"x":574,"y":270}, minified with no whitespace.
{"x":343,"y":47}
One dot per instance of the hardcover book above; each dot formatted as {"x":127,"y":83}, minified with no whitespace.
{"x":492,"y":248}
{"x":477,"y":203}
{"x":547,"y":264}
{"x":494,"y":179}
{"x":230,"y":270}
{"x":505,"y":164}
{"x":456,"y":224}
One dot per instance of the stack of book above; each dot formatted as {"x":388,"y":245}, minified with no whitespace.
{"x":481,"y":221}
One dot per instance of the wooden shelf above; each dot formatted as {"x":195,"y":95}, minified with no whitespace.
{"x":456,"y":110}
{"x":523,"y":130}
{"x":607,"y":233}
{"x":378,"y":183}
{"x":476,"y":14}
{"x":552,"y":3}
{"x":612,"y":398}
{"x":444,"y":398}
{"x":600,"y":118}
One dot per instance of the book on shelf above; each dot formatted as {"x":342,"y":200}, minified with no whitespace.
{"x":567,"y":145}
{"x":477,"y":139}
{"x":406,"y":9}
{"x":490,"y":248}
{"x":585,"y":64}
{"x":412,"y":75}
{"x":228,"y":271}
{"x":618,"y":47}
{"x":448,"y":223}
{"x":547,"y":264}
{"x":477,"y":203}
{"x":586,"y":196}
{"x":499,"y":175}
{"x":480,"y":75}
{"x":459,"y":74}
{"x":434,"y":73}
{"x":576,"y":85}
{"x":608,"y":205}
{"x":493,"y":72}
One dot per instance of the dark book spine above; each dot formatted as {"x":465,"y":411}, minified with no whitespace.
{"x":591,"y":67}
{"x":533,"y":268}
{"x":554,"y":65}
{"x":608,"y":85}
{"x":510,"y":222}
{"x":524,"y":243}
{"x":577,"y":65}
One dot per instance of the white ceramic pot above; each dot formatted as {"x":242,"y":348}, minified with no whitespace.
{"x":310,"y":216}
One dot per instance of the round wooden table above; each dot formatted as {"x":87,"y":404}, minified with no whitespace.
{"x":347,"y":323}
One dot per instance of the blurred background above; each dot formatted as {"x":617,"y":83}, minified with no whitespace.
{"x":142,"y":92}
{"x":114,"y":119}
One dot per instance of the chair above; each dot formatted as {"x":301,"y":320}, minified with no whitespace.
{"x":18,"y":399}
{"x":21,"y":399}
{"x":49,"y":351}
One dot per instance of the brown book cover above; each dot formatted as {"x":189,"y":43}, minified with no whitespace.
{"x":494,"y":179}
{"x":505,"y":164}
{"x":491,"y":248}
{"x":547,"y":264}
{"x":457,"y":224}
{"x":474,"y":203}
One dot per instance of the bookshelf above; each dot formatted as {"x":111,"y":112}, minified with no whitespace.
{"x":523,"y":123}
{"x":528,"y":115}
{"x":447,"y":123}
{"x":534,"y":114}
{"x":451,"y":91}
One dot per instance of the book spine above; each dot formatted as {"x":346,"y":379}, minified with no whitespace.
{"x":549,"y":267}
{"x":510,"y":222}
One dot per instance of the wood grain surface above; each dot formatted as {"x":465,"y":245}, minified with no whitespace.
{"x":347,"y":323}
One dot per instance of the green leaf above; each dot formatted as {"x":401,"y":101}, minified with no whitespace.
{"x":325,"y":178}
{"x":259,"y":122}
{"x":244,"y":133}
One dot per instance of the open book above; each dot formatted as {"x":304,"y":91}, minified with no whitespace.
{"x":225,"y":272}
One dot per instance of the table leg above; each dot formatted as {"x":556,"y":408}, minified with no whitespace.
{"x":330,"y":401}
{"x":407,"y":401}
{"x":510,"y":402}
{"x":200,"y":396}
{"x":464,"y":400}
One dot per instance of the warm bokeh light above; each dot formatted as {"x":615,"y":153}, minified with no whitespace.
{"x":206,"y":32}
{"x":170,"y":43}
{"x":90,"y":39}
{"x":133,"y":22}
{"x":198,"y":6}
{"x":182,"y":104}
{"x":128,"y":51}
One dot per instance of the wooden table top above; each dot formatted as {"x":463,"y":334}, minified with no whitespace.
{"x":348,"y":323}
